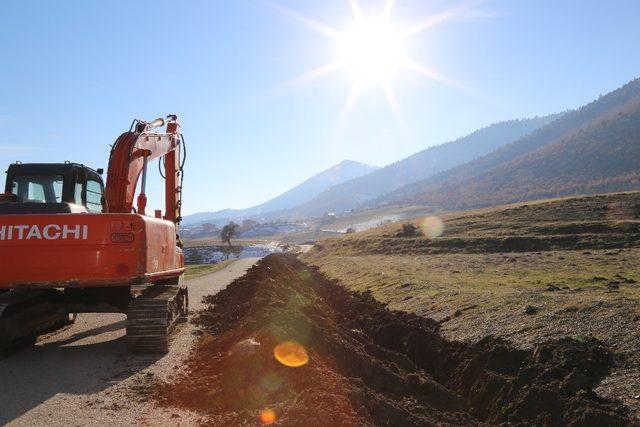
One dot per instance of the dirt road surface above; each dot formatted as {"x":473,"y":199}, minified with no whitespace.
{"x":84,"y":375}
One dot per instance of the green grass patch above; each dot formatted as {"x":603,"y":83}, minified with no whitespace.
{"x":197,"y":270}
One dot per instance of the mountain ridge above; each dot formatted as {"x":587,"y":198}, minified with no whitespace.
{"x":336,"y":174}
{"x":606,"y":127}
{"x":355,"y":193}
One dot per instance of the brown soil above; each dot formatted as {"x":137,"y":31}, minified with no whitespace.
{"x":369,"y":365}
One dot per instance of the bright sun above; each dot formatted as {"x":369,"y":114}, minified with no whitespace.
{"x":372,"y":51}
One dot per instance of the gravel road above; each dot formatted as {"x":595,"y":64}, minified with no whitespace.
{"x":83,"y":375}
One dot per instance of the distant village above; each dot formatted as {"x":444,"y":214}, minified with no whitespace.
{"x":248,"y":229}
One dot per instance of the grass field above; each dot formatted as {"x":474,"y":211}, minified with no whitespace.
{"x":197,"y":270}
{"x":526,"y":272}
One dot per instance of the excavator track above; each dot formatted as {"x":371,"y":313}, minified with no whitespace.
{"x":24,"y":315}
{"x":152,"y":316}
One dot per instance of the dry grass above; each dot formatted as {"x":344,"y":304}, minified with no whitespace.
{"x":197,"y":270}
{"x":574,"y":260}
{"x":438,"y":285}
{"x":602,"y":222}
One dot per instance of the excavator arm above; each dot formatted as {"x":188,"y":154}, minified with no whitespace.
{"x":129,"y":159}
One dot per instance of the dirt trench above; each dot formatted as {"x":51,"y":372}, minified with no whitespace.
{"x":368,"y":365}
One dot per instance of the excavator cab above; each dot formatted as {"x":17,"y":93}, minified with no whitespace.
{"x":48,"y":188}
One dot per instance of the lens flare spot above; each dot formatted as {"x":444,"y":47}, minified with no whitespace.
{"x":432,"y":227}
{"x":267,"y":416}
{"x":291,"y":353}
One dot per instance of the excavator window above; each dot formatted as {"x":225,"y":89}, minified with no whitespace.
{"x":77,"y":194}
{"x":38,"y":188}
{"x":88,"y":190}
{"x":52,"y":188}
{"x":94,"y":196}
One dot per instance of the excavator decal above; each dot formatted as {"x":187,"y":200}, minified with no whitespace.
{"x":47,"y":232}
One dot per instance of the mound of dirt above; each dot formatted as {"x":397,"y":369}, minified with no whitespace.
{"x":368,"y":365}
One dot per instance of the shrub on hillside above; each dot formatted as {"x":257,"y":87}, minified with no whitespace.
{"x":409,"y":230}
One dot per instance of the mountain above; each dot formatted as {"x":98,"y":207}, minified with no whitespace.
{"x":344,"y":171}
{"x":302,"y":193}
{"x":593,"y":149}
{"x":218,"y":217}
{"x":421,"y":165}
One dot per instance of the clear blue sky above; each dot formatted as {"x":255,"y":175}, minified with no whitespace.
{"x":75,"y":73}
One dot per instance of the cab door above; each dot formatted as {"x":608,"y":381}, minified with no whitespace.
{"x":89,"y":190}
{"x":94,"y":193}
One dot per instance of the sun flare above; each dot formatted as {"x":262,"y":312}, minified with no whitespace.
{"x":372,"y":51}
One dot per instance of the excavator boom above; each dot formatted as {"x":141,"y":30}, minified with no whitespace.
{"x":129,"y":158}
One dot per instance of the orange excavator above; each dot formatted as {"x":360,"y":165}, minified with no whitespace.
{"x":69,"y":244}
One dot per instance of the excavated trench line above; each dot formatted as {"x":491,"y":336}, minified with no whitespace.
{"x":372,"y":366}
